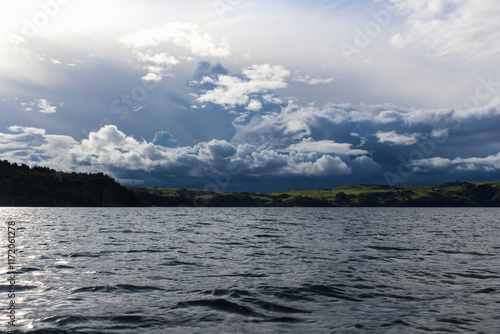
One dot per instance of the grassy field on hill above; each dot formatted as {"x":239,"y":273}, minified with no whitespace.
{"x":449,"y":194}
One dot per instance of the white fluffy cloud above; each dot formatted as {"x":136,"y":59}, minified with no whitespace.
{"x":325,"y":165}
{"x":258,"y":79}
{"x":325,"y":147}
{"x":393,"y":138}
{"x":149,"y":45}
{"x":488,"y":164}
{"x":40,"y":105}
{"x":187,"y":35}
{"x":110,"y":150}
{"x":34,"y":146}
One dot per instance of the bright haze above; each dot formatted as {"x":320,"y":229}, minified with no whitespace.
{"x":253,"y":95}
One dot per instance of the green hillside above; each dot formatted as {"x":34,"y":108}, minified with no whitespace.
{"x":447,"y":195}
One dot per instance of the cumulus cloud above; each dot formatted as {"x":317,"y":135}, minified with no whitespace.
{"x":40,"y":105}
{"x":219,"y":150}
{"x":392,"y":138}
{"x":112,"y":151}
{"x":26,"y":129}
{"x":254,"y":105}
{"x":432,"y":163}
{"x":149,"y":46}
{"x":164,"y":138}
{"x":325,"y":165}
{"x":230,"y":90}
{"x":326,"y":142}
{"x":326,"y":147}
{"x":365,"y":165}
{"x":35,"y":147}
{"x":187,"y":35}
{"x":490,"y":163}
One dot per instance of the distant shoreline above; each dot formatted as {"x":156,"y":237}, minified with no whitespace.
{"x":455,"y":194}
{"x":23,"y":186}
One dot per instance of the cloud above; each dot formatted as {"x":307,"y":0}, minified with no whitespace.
{"x":183,"y":34}
{"x":433,"y":163}
{"x":254,"y":105}
{"x":325,"y":165}
{"x":220,"y":150}
{"x":111,"y":151}
{"x":439,"y":133}
{"x":25,"y":129}
{"x":112,"y":148}
{"x":230,"y":90}
{"x":290,"y":142}
{"x":35,"y":147}
{"x":365,"y":165}
{"x":156,"y":64}
{"x":325,"y":147}
{"x":165,"y":139}
{"x":312,"y":81}
{"x":445,"y":28}
{"x":392,"y":138}
{"x":40,"y":105}
{"x":490,"y":163}
{"x":148,"y":45}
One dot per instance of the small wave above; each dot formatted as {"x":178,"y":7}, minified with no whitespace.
{"x":471,"y":275}
{"x":308,"y":292}
{"x":177,"y":263}
{"x":396,"y":323}
{"x":266,"y":220}
{"x":65,"y":320}
{"x":82,"y":254}
{"x":465,"y":253}
{"x":456,"y":321}
{"x":63,"y":266}
{"x":273,"y":307}
{"x":145,"y":251}
{"x":19,"y":287}
{"x":126,"y":288}
{"x":487,"y":290}
{"x":287,"y":223}
{"x":284,"y":320}
{"x":27,"y":270}
{"x":227,"y":292}
{"x":203,"y":224}
{"x":330,"y":292}
{"x":386,"y":248}
{"x":77,"y":323}
{"x":221,"y":304}
{"x":268,"y":236}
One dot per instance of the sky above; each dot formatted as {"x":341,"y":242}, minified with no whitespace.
{"x":251,"y":95}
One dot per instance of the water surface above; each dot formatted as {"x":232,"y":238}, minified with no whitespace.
{"x":255,"y":270}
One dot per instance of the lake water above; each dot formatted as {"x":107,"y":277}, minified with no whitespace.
{"x":254,"y":270}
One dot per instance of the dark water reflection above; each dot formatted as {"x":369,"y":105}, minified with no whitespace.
{"x":256,"y":270}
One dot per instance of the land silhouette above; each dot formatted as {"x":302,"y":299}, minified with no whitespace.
{"x":22,"y":185}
